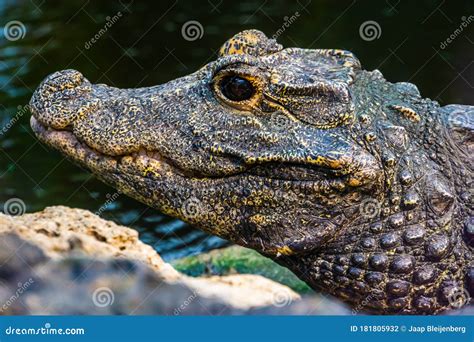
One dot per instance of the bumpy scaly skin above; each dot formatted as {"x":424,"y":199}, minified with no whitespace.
{"x":358,"y":185}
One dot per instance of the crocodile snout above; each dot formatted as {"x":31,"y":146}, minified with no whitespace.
{"x":61,"y":98}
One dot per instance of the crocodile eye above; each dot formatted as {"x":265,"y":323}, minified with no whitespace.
{"x":236,"y":88}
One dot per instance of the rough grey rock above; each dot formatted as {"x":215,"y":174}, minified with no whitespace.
{"x":69,"y":261}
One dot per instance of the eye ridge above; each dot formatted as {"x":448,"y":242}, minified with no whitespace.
{"x":237,"y":88}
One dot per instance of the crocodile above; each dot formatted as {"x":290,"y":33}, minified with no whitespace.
{"x":360,"y":186}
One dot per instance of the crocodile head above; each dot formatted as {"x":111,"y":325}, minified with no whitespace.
{"x":257,"y":147}
{"x":297,"y":153}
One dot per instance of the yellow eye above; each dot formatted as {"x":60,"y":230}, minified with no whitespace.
{"x":236,"y":88}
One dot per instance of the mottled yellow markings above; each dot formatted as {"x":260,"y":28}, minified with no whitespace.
{"x":354,"y":182}
{"x":346,"y":118}
{"x":364,"y":118}
{"x":285,"y":250}
{"x":250,"y":160}
{"x":217,"y":149}
{"x":238,"y":45}
{"x":85,"y":109}
{"x":341,"y":53}
{"x":81,"y":113}
{"x":407,"y":112}
{"x":348,"y":64}
{"x":410,"y":201}
{"x":370,"y":136}
{"x":257,"y":219}
{"x":134,"y":109}
{"x":149,"y":170}
{"x":323,"y":161}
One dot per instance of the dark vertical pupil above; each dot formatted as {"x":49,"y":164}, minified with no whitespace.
{"x":236,"y":88}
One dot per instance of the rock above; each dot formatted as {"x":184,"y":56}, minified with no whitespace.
{"x":240,"y":260}
{"x":17,"y":254}
{"x":84,"y":285}
{"x":70,"y":261}
{"x":59,"y":230}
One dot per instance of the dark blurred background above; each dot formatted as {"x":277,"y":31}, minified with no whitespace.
{"x":131,"y":43}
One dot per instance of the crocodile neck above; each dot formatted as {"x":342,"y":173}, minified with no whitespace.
{"x":375,"y":260}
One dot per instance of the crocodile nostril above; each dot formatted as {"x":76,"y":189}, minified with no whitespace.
{"x":60,"y":98}
{"x":61,"y":80}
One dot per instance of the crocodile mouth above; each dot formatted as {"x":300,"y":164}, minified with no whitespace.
{"x":146,"y":163}
{"x":78,"y":151}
